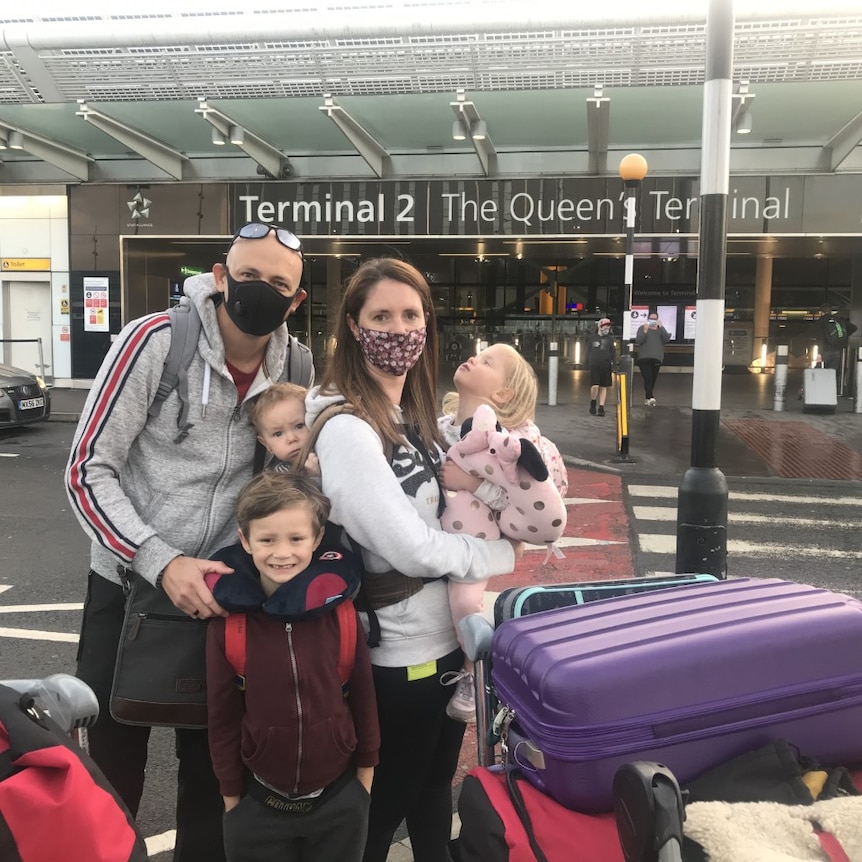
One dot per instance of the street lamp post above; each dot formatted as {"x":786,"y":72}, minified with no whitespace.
{"x":633,"y":169}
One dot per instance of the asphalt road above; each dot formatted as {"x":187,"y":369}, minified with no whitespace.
{"x":45,"y":555}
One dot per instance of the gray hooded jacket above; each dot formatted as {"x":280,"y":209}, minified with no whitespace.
{"x":141,"y":497}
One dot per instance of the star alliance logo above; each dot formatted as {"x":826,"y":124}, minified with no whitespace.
{"x":139,"y":206}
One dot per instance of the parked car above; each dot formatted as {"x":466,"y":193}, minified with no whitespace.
{"x":24,"y":397}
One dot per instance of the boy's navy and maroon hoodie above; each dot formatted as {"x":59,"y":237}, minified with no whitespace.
{"x":292,"y":727}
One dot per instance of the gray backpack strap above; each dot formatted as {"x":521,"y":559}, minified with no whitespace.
{"x":299,"y":367}
{"x":185,"y":334}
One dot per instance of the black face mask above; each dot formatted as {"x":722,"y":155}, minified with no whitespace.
{"x":255,"y":307}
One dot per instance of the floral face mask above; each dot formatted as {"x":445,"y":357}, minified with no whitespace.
{"x":393,"y":352}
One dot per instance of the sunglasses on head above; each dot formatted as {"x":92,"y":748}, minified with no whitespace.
{"x":256,"y":230}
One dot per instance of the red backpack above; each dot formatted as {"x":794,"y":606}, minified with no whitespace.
{"x":235,"y":643}
{"x":54,"y":801}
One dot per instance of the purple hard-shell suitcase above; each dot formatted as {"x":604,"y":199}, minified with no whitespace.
{"x":688,"y":677}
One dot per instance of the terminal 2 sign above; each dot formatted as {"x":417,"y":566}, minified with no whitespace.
{"x":527,"y":207}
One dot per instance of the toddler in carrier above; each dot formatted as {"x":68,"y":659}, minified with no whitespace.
{"x":278,"y":417}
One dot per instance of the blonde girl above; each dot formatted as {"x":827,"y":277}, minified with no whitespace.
{"x":501,"y":378}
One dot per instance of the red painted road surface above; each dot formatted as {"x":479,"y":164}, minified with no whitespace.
{"x":599,"y":549}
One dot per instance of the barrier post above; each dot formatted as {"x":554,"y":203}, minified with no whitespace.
{"x":780,"y":377}
{"x":553,"y":364}
{"x":858,"y":408}
{"x":624,"y":406}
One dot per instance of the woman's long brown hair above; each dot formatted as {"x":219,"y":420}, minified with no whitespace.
{"x":347,"y":371}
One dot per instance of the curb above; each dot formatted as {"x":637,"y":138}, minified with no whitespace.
{"x":585,"y":464}
{"x":64,"y":417}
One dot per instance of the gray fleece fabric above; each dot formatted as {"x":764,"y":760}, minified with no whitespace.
{"x":142,"y":497}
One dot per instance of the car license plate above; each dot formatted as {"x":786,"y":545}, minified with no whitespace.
{"x":31,"y":403}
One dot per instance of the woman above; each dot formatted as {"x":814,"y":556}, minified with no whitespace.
{"x":651,"y":339}
{"x":378,"y":466}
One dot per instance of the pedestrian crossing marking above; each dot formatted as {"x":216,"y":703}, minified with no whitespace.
{"x":663,"y":513}
{"x":580,"y":501}
{"x":669,"y":491}
{"x":652,"y":543}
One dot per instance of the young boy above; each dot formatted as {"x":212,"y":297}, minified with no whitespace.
{"x":293,"y":753}
{"x":278,"y":416}
{"x":600,"y":360}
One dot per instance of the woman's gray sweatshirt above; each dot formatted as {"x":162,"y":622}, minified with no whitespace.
{"x":391,"y":511}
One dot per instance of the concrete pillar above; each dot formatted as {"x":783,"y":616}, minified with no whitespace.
{"x":762,"y":301}
{"x":333,"y":299}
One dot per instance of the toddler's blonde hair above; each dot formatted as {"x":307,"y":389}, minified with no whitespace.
{"x":521,"y":379}
{"x":276,"y":393}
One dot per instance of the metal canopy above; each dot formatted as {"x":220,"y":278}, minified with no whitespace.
{"x":391,"y":76}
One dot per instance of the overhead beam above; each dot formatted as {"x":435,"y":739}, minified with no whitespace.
{"x":374,"y":153}
{"x":467,"y":113}
{"x":161,"y":155}
{"x":271,"y":160}
{"x":598,"y":125}
{"x":840,"y":145}
{"x":71,"y":161}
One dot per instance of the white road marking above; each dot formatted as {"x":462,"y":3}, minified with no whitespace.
{"x":651,"y":543}
{"x":35,"y":635}
{"x":669,"y":491}
{"x":161,"y":843}
{"x":9,"y":455}
{"x":23,"y":609}
{"x":573,"y":542}
{"x":580,"y":501}
{"x":663,"y":513}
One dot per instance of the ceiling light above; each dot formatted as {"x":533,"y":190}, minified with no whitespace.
{"x":479,"y":130}
{"x":218,"y":138}
{"x":459,"y":133}
{"x":237,"y":135}
{"x":743,"y":122}
{"x":15,"y":140}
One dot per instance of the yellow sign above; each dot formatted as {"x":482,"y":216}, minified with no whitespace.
{"x":64,"y":306}
{"x":25,"y":264}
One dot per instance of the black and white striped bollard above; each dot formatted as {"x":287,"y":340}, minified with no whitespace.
{"x":701,"y":543}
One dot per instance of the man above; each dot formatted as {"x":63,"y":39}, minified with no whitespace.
{"x":161,"y":503}
{"x":834,"y":332}
{"x":601,"y":356}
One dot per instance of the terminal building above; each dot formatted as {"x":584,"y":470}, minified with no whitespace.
{"x":481,"y":146}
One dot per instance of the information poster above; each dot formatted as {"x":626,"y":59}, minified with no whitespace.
{"x":667,"y":316}
{"x":690,"y":325}
{"x":96,"y":303}
{"x":633,"y":318}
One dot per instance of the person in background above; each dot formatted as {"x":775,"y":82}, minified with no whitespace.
{"x":294,"y":748}
{"x":501,"y":378}
{"x":833,"y":334}
{"x":600,"y":359}
{"x":651,"y":339}
{"x":162,"y":506}
{"x":378,"y":464}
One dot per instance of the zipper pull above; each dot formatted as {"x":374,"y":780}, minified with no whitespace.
{"x":288,"y":627}
{"x":135,"y":626}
